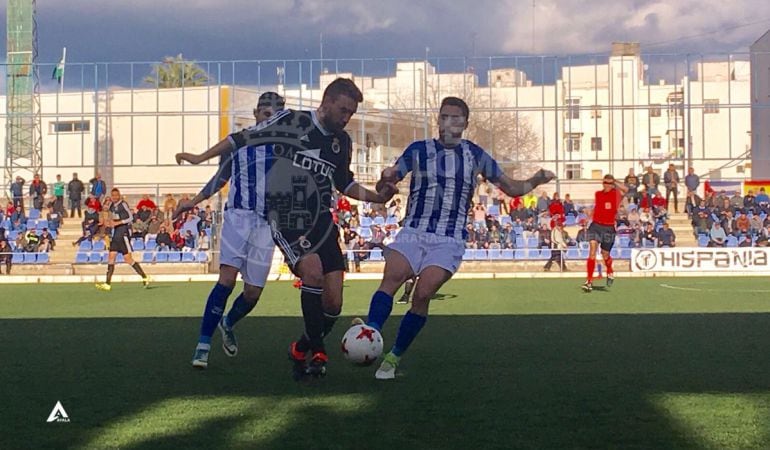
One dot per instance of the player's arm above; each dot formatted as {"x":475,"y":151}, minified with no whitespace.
{"x":222,"y":147}
{"x":125,"y":216}
{"x":515,"y":188}
{"x":384,"y":193}
{"x":621,"y":187}
{"x":217,"y":182}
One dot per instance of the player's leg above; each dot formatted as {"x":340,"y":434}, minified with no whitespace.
{"x":408,"y":288}
{"x":212,"y":313}
{"x":431,"y":280}
{"x":590,"y":264}
{"x":135,"y":265}
{"x":403,"y":259}
{"x":107,"y":285}
{"x":310,"y":270}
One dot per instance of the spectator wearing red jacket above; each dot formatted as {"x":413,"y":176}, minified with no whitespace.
{"x":93,"y":203}
{"x":556,"y":207}
{"x":343,"y":204}
{"x":145,"y":202}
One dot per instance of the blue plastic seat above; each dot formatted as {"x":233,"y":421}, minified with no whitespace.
{"x":573,"y":253}
{"x":480,"y":254}
{"x":30,"y":258}
{"x":85,"y":246}
{"x":468,"y":255}
{"x":493,"y":210}
{"x":376,"y":255}
{"x":625,"y":253}
{"x":95,"y":258}
{"x":99,"y":246}
{"x":150,"y":245}
{"x":494,"y":253}
{"x":120,"y":259}
{"x":703,"y":240}
{"x":520,"y":253}
{"x":202,"y":257}
{"x":161,"y":257}
{"x":17,"y":258}
{"x":147,"y":257}
{"x":366,"y":222}
{"x":174,"y":257}
{"x":188,"y":257}
{"x":506,"y":254}
{"x":81,"y":258}
{"x":545,"y":253}
{"x":43,"y":258}
{"x":379,"y":220}
{"x":34,"y":213}
{"x":138,"y":244}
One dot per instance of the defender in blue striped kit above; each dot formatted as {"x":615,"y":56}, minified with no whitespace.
{"x":431,"y":244}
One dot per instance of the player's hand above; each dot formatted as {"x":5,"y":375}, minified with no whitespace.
{"x":182,"y":207}
{"x":386,"y":190}
{"x":189,"y":157}
{"x":390,"y":175}
{"x":544,"y":176}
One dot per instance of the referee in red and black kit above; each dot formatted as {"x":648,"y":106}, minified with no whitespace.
{"x":601,"y":232}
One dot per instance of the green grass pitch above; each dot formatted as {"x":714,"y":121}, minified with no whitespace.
{"x":650,"y":363}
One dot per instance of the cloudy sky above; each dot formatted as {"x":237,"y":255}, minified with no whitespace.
{"x":146,"y":30}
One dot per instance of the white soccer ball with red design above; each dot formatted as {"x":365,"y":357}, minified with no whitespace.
{"x":362,"y":344}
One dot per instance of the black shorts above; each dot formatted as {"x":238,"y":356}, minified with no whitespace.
{"x":121,"y":243}
{"x":322,"y":239}
{"x":603,"y":234}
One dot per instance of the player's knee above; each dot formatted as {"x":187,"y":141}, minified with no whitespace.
{"x":227,"y":276}
{"x":251,"y":293}
{"x":420,"y":304}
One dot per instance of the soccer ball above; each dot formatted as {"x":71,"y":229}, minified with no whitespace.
{"x":362,"y":344}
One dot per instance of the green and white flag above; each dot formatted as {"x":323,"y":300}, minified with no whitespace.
{"x":58,"y":71}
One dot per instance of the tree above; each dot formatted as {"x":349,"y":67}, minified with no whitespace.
{"x":175,"y":72}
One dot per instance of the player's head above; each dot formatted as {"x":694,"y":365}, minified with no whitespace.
{"x":608,"y":182}
{"x":268,"y":104}
{"x":339,"y":103}
{"x":115,"y":195}
{"x":452,"y":120}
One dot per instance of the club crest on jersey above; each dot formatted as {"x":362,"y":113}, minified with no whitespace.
{"x":336,"y":146}
{"x":311,"y":160}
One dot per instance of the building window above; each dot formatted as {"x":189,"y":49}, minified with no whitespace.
{"x":655,"y":143}
{"x":596,"y":113}
{"x":573,"y":108}
{"x":573,"y":171}
{"x":676,"y":139}
{"x":572,"y":142}
{"x":655,"y":110}
{"x":71,"y":126}
{"x":596,"y":144}
{"x":676,"y":104}
{"x":711,"y":106}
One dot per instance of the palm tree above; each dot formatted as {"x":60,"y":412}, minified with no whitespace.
{"x":175,"y":72}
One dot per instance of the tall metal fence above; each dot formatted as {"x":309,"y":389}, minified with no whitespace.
{"x":580,"y":116}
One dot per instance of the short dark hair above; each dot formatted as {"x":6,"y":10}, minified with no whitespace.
{"x":271,"y":99}
{"x":115,"y":190}
{"x":342,"y":86}
{"x":456,"y":101}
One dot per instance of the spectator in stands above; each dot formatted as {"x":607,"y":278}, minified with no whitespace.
{"x":6,"y":257}
{"x":742,"y":224}
{"x":46,"y":242}
{"x":169,"y":205}
{"x":520,"y":213}
{"x":746,"y":241}
{"x":530,"y":227}
{"x":762,"y":198}
{"x":501,"y":201}
{"x":33,"y":241}
{"x":651,"y":181}
{"x":93,"y":203}
{"x":343,"y":204}
{"x":58,"y":193}
{"x":666,"y":236}
{"x":138,"y":229}
{"x":558,"y":242}
{"x":17,"y":194}
{"x":736,"y":201}
{"x":582,"y":232}
{"x":702,"y":223}
{"x":479,"y":216}
{"x":543,"y":202}
{"x":622,"y":219}
{"x":717,"y":235}
{"x":755,"y":224}
{"x":513,"y":205}
{"x":98,"y":186}
{"x":360,"y":252}
{"x":556,"y":207}
{"x":763,"y":240}
{"x":637,"y":234}
{"x":394,"y":209}
{"x":189,"y":241}
{"x":75,"y":191}
{"x":470,"y":239}
{"x":634,"y":217}
{"x":507,"y":236}
{"x":671,"y":181}
{"x":152,"y":229}
{"x":530,"y":200}
{"x":54,"y":219}
{"x":378,"y":235}
{"x":9,"y":210}
{"x":146,"y":203}
{"x":692,"y":202}
{"x":648,"y":236}
{"x":569,"y":207}
{"x":631,"y":182}
{"x":21,"y":242}
{"x":645,"y":216}
{"x":204,"y":243}
{"x":482,"y":191}
{"x":164,"y":241}
{"x":728,"y":224}
{"x":691,"y":181}
{"x":658,"y":203}
{"x":749,"y":202}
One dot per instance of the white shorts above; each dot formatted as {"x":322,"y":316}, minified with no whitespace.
{"x":423,"y":249}
{"x":247,"y":244}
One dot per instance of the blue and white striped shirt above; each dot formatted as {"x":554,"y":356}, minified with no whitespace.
{"x":443,"y":180}
{"x":250,"y":166}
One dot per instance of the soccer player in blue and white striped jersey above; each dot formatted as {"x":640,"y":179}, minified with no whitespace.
{"x":431,"y":244}
{"x":246,"y":243}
